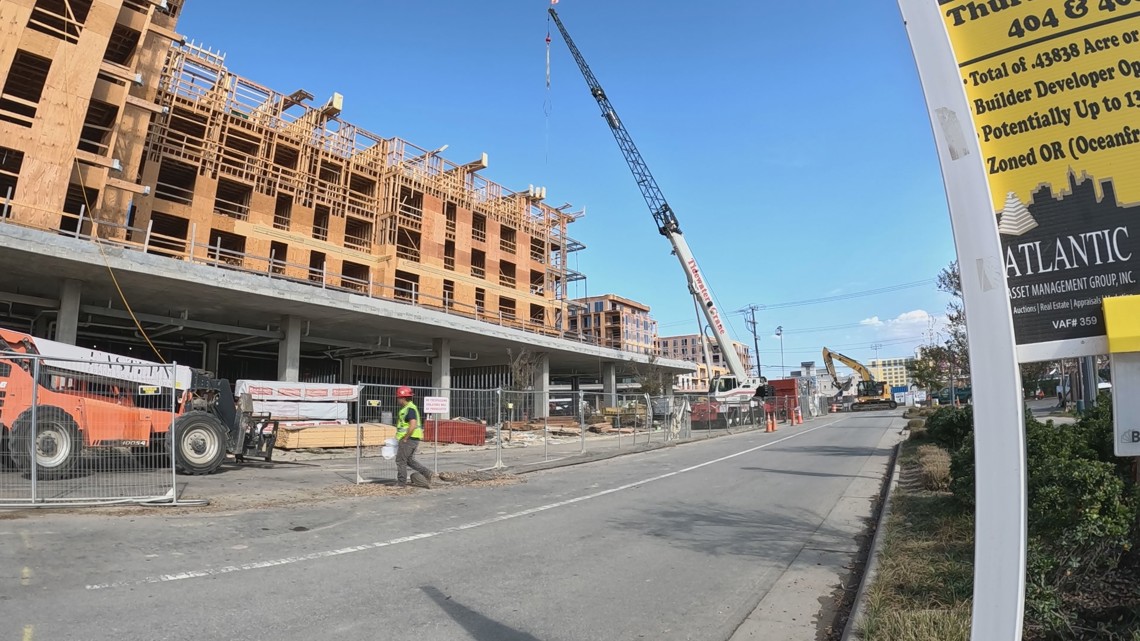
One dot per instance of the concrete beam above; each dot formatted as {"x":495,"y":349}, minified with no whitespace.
{"x":289,"y":352}
{"x":67,"y":321}
{"x":108,"y":312}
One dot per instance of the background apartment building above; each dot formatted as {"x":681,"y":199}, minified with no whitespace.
{"x":688,"y":348}
{"x":894,"y":371}
{"x":613,"y":321}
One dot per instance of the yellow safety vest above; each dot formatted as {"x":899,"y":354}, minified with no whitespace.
{"x":402,"y":422}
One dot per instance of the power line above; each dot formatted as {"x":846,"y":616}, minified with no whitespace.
{"x":848,"y":296}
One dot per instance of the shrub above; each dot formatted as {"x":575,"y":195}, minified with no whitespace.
{"x":951,"y":426}
{"x":918,"y":434}
{"x":962,"y":474}
{"x":915,"y":422}
{"x":1079,"y":523}
{"x":934,"y":466}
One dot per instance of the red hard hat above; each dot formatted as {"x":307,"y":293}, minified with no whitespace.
{"x":403,"y":392}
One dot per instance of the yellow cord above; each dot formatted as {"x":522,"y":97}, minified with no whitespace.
{"x":95,"y":229}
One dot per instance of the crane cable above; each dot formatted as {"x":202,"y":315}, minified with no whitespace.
{"x":547,"y":104}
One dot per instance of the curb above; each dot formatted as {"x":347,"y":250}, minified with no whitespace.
{"x":858,"y":611}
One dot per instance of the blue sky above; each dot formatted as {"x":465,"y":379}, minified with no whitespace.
{"x":790,"y":138}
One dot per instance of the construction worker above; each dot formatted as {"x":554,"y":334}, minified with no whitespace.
{"x":408,"y":434}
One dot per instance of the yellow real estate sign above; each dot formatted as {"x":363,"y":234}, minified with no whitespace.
{"x":1054,"y":92}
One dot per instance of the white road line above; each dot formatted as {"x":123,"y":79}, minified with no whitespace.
{"x":230,"y":569}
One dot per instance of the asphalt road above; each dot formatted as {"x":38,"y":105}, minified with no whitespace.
{"x":676,"y":543}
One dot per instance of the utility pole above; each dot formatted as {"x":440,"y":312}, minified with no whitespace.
{"x":751,"y":322}
{"x":780,"y":333}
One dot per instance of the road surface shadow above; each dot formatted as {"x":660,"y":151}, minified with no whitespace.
{"x":481,"y":628}
{"x":805,"y":473}
{"x":718,"y":531}
{"x":836,"y":450}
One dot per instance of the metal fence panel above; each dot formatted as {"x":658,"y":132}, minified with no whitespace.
{"x":465,"y":437}
{"x":75,"y":437}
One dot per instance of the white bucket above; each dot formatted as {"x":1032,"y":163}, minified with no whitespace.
{"x":388,"y":450}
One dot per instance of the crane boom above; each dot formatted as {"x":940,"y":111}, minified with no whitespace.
{"x":667,"y":223}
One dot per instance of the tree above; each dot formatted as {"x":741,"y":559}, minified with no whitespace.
{"x":957,"y":347}
{"x":524,"y":368}
{"x":930,"y":369}
{"x":1033,"y":373}
{"x":652,"y":377}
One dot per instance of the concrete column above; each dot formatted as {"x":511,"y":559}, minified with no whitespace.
{"x":289,"y":351}
{"x":210,"y":363}
{"x":346,"y":377}
{"x":542,"y":387}
{"x":67,"y":321}
{"x":609,"y":384}
{"x":441,"y":367}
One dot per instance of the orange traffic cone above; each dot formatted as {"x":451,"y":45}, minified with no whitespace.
{"x":799,"y":417}
{"x":771,"y":422}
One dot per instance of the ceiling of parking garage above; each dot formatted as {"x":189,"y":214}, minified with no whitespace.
{"x":229,"y":304}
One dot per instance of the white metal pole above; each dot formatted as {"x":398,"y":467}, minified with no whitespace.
{"x":999,"y":434}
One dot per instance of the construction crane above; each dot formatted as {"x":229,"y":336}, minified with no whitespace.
{"x":869,"y":393}
{"x":738,"y":387}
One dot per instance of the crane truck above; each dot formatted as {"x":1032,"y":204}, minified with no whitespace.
{"x":729,"y":394}
{"x":869,"y":393}
{"x":77,"y":399}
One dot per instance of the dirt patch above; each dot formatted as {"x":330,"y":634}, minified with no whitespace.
{"x":444,"y":481}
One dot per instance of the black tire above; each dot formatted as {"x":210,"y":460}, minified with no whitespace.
{"x":200,"y":447}
{"x":56,"y":441}
{"x":5,"y":452}
{"x":894,"y":405}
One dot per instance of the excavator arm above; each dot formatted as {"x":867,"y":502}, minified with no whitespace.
{"x":856,"y":366}
{"x":870,"y":392}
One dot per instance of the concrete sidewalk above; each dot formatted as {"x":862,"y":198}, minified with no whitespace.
{"x":811,"y":590}
{"x":307,"y":476}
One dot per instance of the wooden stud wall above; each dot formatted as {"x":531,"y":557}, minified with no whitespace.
{"x":200,"y":156}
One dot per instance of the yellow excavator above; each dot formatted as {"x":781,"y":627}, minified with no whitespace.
{"x":869,"y":393}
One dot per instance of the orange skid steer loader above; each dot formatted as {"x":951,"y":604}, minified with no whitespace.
{"x":57,"y":400}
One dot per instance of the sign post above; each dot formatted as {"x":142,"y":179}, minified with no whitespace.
{"x":999,"y":557}
{"x":441,"y":407}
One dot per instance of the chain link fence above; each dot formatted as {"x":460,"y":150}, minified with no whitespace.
{"x":85,"y":432}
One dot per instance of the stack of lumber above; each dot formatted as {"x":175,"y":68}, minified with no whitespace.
{"x":636,"y":410}
{"x":555,"y":424}
{"x":607,"y":428}
{"x":292,"y":437}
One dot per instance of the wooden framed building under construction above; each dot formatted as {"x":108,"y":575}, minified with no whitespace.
{"x":112,"y":127}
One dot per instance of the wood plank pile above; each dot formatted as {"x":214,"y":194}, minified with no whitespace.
{"x":559,"y":422}
{"x":292,"y":437}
